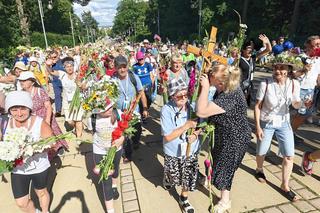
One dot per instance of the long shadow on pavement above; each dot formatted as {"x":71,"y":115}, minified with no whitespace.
{"x":86,"y":150}
{"x":76,"y":194}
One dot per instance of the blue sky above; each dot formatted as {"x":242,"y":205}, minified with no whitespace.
{"x":102,"y":10}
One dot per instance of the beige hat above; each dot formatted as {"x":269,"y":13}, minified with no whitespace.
{"x":20,"y":65}
{"x":176,"y":58}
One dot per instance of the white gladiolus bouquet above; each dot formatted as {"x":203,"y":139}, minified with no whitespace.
{"x":18,"y":145}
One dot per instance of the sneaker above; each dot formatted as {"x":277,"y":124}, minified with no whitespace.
{"x":222,"y":207}
{"x":185,"y":205}
{"x":60,"y":151}
{"x":260,"y":177}
{"x":115,"y":193}
{"x":58,"y":114}
{"x":297,"y":139}
{"x":126,"y":160}
{"x":306,"y":164}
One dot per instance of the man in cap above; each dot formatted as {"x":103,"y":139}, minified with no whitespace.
{"x":130,"y":85}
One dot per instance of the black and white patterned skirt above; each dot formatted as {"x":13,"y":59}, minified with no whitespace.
{"x":181,"y":171}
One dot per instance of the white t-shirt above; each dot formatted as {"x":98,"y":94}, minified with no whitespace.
{"x":309,"y":80}
{"x":69,"y":85}
{"x":277,"y":99}
{"x":103,"y":135}
{"x":38,"y":162}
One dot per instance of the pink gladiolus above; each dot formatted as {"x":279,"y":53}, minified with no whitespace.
{"x":207,"y":163}
{"x":192,"y":82}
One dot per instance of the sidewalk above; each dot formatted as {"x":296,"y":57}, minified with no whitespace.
{"x":73,"y":188}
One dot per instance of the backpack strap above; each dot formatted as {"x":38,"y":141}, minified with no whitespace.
{"x":264,"y":96}
{"x":94,"y":122}
{"x":4,"y":120}
{"x":133,"y":79}
{"x":292,"y":86}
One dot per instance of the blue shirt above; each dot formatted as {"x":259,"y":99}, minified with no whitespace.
{"x":57,"y":66}
{"x":171,"y":119}
{"x":128,"y":93}
{"x":143,"y":71}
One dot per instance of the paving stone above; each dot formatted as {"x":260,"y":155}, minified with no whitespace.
{"x":272,"y":210}
{"x":288,"y":208}
{"x":278,"y":175}
{"x":316,"y":211}
{"x":125,"y":166}
{"x":127,"y":179}
{"x":126,"y":172}
{"x":303,"y":206}
{"x":127,"y":187}
{"x":295,"y":185}
{"x":259,"y":211}
{"x":131,"y":195}
{"x":315,"y":202}
{"x":130,"y":206}
{"x":273,"y":168}
{"x":306,"y":194}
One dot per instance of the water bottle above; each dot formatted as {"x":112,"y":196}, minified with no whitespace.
{"x":303,"y":109}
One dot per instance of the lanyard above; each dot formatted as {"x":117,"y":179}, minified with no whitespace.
{"x":124,"y":91}
{"x":249,"y":64}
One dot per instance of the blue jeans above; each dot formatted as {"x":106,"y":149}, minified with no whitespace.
{"x":57,"y":89}
{"x":284,"y":135}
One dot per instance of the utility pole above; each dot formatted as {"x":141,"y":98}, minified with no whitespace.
{"x":87,"y":34}
{"x":43,"y":28}
{"x":71,"y":22}
{"x":158,"y":21}
{"x":199,"y":27}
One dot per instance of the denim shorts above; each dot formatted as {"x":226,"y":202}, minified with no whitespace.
{"x":284,"y":135}
{"x":303,"y":93}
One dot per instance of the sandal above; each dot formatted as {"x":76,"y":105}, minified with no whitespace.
{"x":260,"y":177}
{"x":222,"y":207}
{"x":290,"y":195}
{"x":185,"y":206}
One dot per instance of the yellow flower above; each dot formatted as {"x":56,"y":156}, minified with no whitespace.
{"x":86,"y":107}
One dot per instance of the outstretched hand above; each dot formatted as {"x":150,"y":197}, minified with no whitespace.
{"x":264,"y":38}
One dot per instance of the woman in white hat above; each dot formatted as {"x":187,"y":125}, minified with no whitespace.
{"x":69,"y":84}
{"x":11,"y":78}
{"x":19,"y":106}
{"x":103,"y":124}
{"x":41,"y":106}
{"x":274,"y":97}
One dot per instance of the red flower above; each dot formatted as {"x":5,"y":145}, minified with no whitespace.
{"x":315,"y":52}
{"x":126,"y":117}
{"x":117,"y":133}
{"x":123,"y":124}
{"x":107,"y":101}
{"x":18,"y":162}
{"x":95,"y":56}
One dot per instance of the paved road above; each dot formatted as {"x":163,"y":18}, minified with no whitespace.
{"x":73,"y":185}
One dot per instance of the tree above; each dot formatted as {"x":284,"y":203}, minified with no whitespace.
{"x":24,"y":24}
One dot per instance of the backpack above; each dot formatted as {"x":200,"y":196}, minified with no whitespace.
{"x":4,"y":120}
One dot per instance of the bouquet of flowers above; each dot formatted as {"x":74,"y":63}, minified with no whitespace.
{"x":125,"y":128}
{"x":18,"y":145}
{"x":100,"y":94}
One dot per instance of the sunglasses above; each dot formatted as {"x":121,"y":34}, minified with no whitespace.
{"x":180,"y":97}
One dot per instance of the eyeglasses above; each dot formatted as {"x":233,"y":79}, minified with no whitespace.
{"x":180,"y":97}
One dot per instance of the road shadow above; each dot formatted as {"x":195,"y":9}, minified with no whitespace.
{"x":75,"y":194}
{"x":86,"y":150}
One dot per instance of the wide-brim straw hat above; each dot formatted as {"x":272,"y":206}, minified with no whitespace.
{"x":293,"y":61}
{"x":164,"y":49}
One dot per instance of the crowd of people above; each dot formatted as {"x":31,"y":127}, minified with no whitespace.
{"x":168,"y":71}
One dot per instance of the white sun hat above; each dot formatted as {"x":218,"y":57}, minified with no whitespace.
{"x":18,"y":98}
{"x":26,"y":75}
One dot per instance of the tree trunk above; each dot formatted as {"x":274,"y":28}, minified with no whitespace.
{"x":245,"y":11}
{"x":24,"y":25}
{"x":294,"y":19}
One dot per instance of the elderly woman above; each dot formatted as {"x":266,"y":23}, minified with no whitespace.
{"x":175,"y":122}
{"x":11,"y":78}
{"x":272,"y":116}
{"x":69,"y":85}
{"x":41,"y":105}
{"x":232,"y":130}
{"x":36,"y":168}
{"x":177,"y":70}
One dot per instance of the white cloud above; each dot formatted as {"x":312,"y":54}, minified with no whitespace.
{"x":102,"y":10}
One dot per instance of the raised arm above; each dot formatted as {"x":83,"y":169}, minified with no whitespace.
{"x":265,"y":40}
{"x":204,"y":107}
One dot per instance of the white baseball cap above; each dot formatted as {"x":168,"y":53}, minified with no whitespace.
{"x":18,"y":98}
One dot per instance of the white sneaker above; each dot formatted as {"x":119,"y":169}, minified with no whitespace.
{"x":222,"y":207}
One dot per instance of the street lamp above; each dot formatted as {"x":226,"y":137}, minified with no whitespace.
{"x":41,"y":16}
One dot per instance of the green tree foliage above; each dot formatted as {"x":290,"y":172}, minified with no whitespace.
{"x":179,"y":19}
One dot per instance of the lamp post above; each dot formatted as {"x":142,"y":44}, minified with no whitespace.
{"x":71,"y":22}
{"x":200,"y":9}
{"x":41,"y":17}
